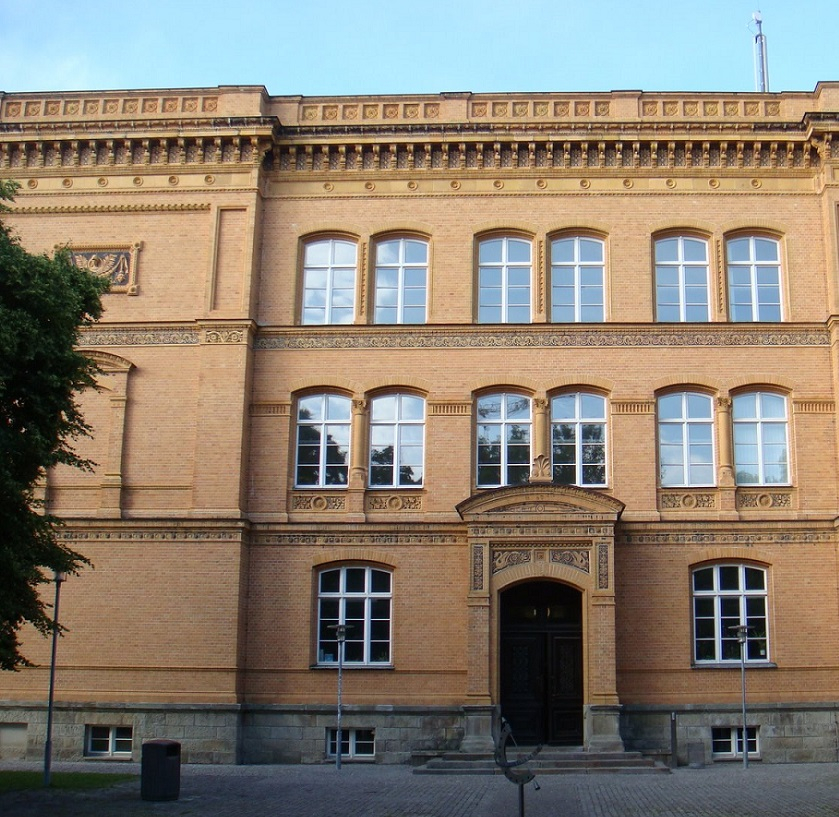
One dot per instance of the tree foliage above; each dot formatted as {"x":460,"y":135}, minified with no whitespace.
{"x":43,"y":303}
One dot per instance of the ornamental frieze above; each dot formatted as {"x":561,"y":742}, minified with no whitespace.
{"x":321,"y":502}
{"x":764,"y":500}
{"x":537,"y":338}
{"x":393,"y":502}
{"x":162,"y":535}
{"x":503,"y":558}
{"x":730,"y":538}
{"x":687,"y":501}
{"x":351,"y":538}
{"x":173,"y":336}
{"x":560,"y":530}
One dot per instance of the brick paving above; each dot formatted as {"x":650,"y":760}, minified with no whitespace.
{"x":801,"y":790}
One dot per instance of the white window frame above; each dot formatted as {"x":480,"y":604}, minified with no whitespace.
{"x":403,"y":270}
{"x":580,"y":270}
{"x":352,"y":739}
{"x":360,"y":610}
{"x":685,"y":270}
{"x":747,"y":277}
{"x":328,"y":297}
{"x":506,"y":269}
{"x":507,"y":427}
{"x":721,"y":607}
{"x":403,"y":434}
{"x":579,"y":422}
{"x":764,"y":426}
{"x":732,"y":738}
{"x":328,"y":422}
{"x":113,"y":738}
{"x":687,"y":427}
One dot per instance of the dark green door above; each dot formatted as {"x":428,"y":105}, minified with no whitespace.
{"x":542,"y":663}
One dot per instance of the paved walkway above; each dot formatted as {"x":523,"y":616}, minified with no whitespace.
{"x":805,"y":790}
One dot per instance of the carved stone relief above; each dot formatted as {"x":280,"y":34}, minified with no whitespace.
{"x":117,"y":263}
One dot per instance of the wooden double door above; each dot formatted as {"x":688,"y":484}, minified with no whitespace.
{"x":541,"y":669}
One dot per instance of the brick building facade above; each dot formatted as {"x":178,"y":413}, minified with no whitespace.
{"x":534,"y":393}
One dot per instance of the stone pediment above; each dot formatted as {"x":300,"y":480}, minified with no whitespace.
{"x":539,"y":502}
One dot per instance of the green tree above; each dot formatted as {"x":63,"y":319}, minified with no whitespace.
{"x":43,"y":303}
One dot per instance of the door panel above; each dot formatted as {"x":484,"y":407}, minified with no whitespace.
{"x":565,"y":702}
{"x":522,"y":686}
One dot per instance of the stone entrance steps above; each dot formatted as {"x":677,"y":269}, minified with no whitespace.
{"x":548,"y":761}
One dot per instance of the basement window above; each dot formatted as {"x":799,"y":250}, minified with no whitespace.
{"x":727,"y":742}
{"x":109,"y":741}
{"x":355,"y":743}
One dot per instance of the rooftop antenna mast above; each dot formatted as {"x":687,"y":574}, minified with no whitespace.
{"x":761,"y":63}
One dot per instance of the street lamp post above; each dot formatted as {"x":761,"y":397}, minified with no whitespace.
{"x":340,"y":637}
{"x":742,"y":633}
{"x":58,"y":578}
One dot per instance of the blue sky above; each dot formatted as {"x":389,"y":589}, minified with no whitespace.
{"x":314,"y":47}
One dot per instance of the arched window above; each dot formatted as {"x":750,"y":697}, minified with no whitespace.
{"x":761,"y":449}
{"x":359,"y":598}
{"x":726,"y":597}
{"x":685,"y":440}
{"x":397,"y":431}
{"x":323,"y":441}
{"x":504,"y":274}
{"x":754,"y":278}
{"x":578,"y":439}
{"x":329,"y":266}
{"x":681,"y":279}
{"x":577,"y":280}
{"x":401,"y":281}
{"x":503,"y":426}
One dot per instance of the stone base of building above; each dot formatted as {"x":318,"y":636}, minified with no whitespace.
{"x":786,"y":733}
{"x":231,"y":734}
{"x":207,"y":733}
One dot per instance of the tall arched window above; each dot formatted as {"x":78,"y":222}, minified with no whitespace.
{"x":401,"y":281}
{"x":725,"y":597}
{"x":397,"y":431}
{"x":329,"y":266}
{"x":359,"y":598}
{"x":504,"y":275}
{"x":761,"y":446}
{"x":681,"y":279}
{"x":577,"y":280}
{"x":323,"y":441}
{"x":503,"y":426}
{"x":754,"y":278}
{"x":686,"y":439}
{"x":578,"y":439}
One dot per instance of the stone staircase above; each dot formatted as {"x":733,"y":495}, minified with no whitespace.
{"x":548,"y":761}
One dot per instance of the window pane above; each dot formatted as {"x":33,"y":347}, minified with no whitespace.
{"x":518,"y":251}
{"x":666,"y":250}
{"x":591,"y":250}
{"x":490,"y":251}
{"x":695,"y":250}
{"x":766,"y":250}
{"x":738,"y":249}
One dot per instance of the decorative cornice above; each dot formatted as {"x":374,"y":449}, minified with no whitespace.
{"x":541,"y":336}
{"x":108,"y":208}
{"x":728,"y":538}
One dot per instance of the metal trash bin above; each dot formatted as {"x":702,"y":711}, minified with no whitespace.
{"x":160,"y":770}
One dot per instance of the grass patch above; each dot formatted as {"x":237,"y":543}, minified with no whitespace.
{"x":78,"y":781}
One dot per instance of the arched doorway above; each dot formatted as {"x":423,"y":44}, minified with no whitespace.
{"x":541,"y":670}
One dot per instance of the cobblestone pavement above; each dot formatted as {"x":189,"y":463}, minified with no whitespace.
{"x":801,"y":790}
